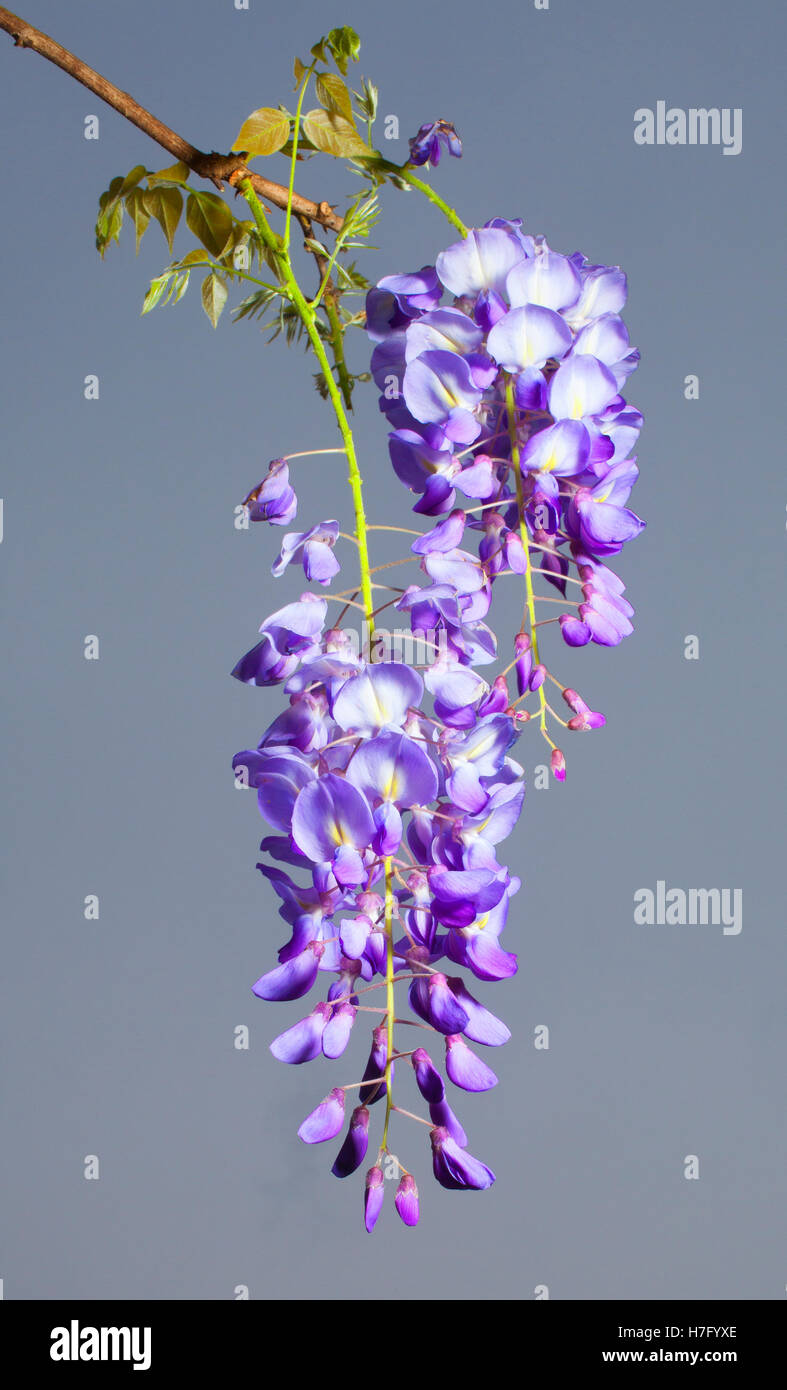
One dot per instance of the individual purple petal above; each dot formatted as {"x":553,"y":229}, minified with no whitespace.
{"x":464,"y":1068}
{"x":348,"y":867}
{"x":482,"y":1026}
{"x":276,"y":792}
{"x":485,"y":746}
{"x":388,"y":829}
{"x":313,"y":549}
{"x":353,"y":1151}
{"x":319,"y":562}
{"x":445,"y":1012}
{"x":481,"y":261}
{"x":478,"y":479}
{"x":428,"y":1078}
{"x":374,"y":1072}
{"x":527,"y":337}
{"x":353,"y":935}
{"x":398,"y":298}
{"x":336,"y":1033}
{"x":293,"y":979}
{"x":438,"y":388}
{"x":326,"y":1121}
{"x":406,"y":1200}
{"x":530,"y":389}
{"x":377,"y":698}
{"x":574,"y":632}
{"x":486,"y":957}
{"x":302,"y":1042}
{"x":415,"y":461}
{"x":264,"y":665}
{"x":489,"y":307}
{"x":446,"y":535}
{"x":394,"y":768}
{"x":374,"y":1192}
{"x":549,"y":279}
{"x":456,"y":691}
{"x":581,"y":386}
{"x":447,"y":329}
{"x":454,"y":1168}
{"x":440,"y":1113}
{"x":562,"y":449}
{"x":603,"y":292}
{"x":330,"y":813}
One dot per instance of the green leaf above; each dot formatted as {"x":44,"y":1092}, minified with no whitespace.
{"x":135,"y":205}
{"x":180,"y":286}
{"x":299,"y":70}
{"x":157,"y":288}
{"x":331,"y":133}
{"x":332,"y":93}
{"x":132,"y":179}
{"x":214,"y":297}
{"x":166,"y":205}
{"x":209,"y":218}
{"x":368,"y":101}
{"x":344,"y":45}
{"x":193,"y":258}
{"x":264,"y":132}
{"x":176,"y":173}
{"x":113,"y":223}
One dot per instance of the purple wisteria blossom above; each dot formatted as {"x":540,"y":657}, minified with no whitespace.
{"x":388,"y":789}
{"x":425,"y":146}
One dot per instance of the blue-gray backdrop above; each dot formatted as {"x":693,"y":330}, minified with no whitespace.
{"x":665,"y":1041}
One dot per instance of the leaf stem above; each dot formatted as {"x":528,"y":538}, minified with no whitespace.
{"x":307,"y":317}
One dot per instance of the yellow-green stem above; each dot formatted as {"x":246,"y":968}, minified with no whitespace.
{"x":295,"y":132}
{"x":435,"y":198}
{"x":389,"y":997}
{"x":520,"y":502}
{"x":307,"y":317}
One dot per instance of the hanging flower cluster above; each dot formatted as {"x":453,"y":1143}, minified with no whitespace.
{"x":389,"y":789}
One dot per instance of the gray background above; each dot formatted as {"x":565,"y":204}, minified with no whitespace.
{"x":119,"y":521}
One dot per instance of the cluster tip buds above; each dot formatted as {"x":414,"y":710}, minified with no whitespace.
{"x":558,"y":765}
{"x":406,"y":1200}
{"x":373,"y":1197}
{"x":584,"y":717}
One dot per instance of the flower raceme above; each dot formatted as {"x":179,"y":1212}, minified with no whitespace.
{"x":389,"y":790}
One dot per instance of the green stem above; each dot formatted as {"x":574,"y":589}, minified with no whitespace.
{"x":294,"y":155}
{"x":428,"y":192}
{"x":389,"y":999}
{"x":520,"y":502}
{"x":307,"y":317}
{"x":401,"y":171}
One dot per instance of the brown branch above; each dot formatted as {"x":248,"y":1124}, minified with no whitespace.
{"x":213,"y":166}
{"x":330,"y":300}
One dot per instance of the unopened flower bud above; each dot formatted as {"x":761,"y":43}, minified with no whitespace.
{"x":373,"y":1197}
